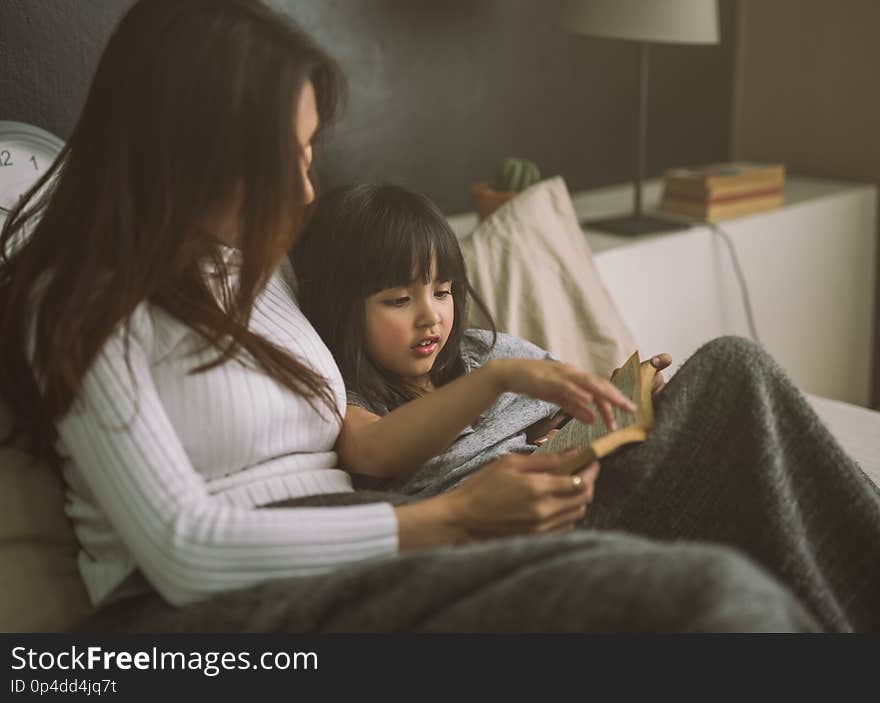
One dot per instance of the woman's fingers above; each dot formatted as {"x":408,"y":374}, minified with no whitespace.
{"x":566,"y":510}
{"x":589,"y":476}
{"x":547,"y":467}
{"x":518,"y":494}
{"x":575,"y":484}
{"x":564,"y":521}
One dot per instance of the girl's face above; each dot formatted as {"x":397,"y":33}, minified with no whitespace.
{"x":407,"y":327}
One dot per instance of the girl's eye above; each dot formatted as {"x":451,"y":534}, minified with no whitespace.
{"x":397,"y":302}
{"x":440,"y":294}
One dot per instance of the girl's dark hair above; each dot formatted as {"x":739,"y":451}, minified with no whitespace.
{"x":192,"y":105}
{"x":360,"y":240}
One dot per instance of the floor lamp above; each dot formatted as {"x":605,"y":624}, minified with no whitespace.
{"x":644,"y":22}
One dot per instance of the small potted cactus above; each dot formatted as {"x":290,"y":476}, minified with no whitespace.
{"x":513,"y":176}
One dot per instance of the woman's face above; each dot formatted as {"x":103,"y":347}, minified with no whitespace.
{"x":305,"y":126}
{"x":227,"y":225}
{"x":407,"y":327}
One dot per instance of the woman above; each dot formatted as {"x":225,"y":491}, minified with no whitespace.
{"x":162,"y":362}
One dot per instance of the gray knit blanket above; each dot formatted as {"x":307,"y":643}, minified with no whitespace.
{"x":739,"y":513}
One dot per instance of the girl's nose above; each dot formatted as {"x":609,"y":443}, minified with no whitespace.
{"x":428,"y":315}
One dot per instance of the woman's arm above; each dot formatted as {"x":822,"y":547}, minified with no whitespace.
{"x":398,"y":443}
{"x":188,"y":543}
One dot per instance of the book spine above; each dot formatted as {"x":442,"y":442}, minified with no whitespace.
{"x":725,"y":197}
{"x":701,"y":185}
{"x":768,"y":175}
{"x":700,"y":189}
{"x":723,"y":211}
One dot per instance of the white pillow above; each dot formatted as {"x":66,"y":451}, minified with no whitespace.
{"x":530,"y":263}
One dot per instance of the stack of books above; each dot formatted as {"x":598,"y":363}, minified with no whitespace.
{"x":721,"y":191}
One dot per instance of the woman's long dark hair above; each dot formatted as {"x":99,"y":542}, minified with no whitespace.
{"x":365,"y":238}
{"x":192,"y":106}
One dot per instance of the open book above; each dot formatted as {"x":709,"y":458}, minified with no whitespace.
{"x":635,"y":379}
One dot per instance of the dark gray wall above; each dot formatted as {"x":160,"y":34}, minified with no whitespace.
{"x":440,"y":92}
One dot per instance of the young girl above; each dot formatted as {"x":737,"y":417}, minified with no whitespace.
{"x":734,"y":447}
{"x":382,"y":279}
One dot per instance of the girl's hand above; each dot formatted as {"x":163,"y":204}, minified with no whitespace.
{"x":519,"y":494}
{"x":660,"y":362}
{"x":562,"y":384}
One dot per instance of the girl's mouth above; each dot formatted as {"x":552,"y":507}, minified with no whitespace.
{"x":427,"y":346}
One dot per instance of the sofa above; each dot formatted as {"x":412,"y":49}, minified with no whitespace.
{"x":531,"y":263}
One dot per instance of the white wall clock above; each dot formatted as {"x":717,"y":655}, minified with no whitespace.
{"x":26,"y":153}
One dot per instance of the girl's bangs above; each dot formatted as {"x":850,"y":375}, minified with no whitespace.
{"x":409,"y":249}
{"x":445,"y":255}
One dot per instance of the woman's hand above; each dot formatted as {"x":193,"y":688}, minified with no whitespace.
{"x":660,"y":362}
{"x":565,"y":385}
{"x":519,"y":494}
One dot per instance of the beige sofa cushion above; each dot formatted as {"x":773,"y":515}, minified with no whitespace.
{"x":530,"y":263}
{"x":40,"y":586}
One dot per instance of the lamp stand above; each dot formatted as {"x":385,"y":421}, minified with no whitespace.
{"x":638,"y":223}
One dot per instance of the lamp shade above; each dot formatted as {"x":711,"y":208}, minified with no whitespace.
{"x":672,"y":21}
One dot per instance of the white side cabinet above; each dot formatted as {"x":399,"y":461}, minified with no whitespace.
{"x":809,"y":268}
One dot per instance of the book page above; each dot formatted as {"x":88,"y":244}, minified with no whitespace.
{"x":628,"y":378}
{"x":646,"y":405}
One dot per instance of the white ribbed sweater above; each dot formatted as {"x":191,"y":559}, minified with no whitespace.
{"x":165,"y":474}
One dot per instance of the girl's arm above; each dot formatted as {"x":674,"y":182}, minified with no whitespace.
{"x":398,"y":443}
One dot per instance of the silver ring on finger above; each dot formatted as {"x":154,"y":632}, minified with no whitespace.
{"x":577,"y":482}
